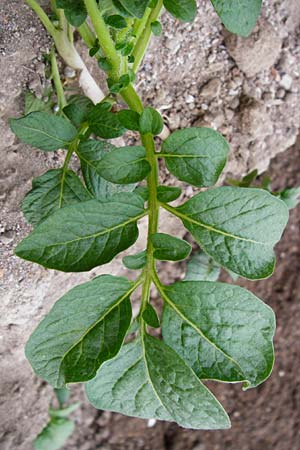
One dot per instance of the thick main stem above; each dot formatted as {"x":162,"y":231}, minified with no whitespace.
{"x":134,"y":102}
{"x":105,"y":41}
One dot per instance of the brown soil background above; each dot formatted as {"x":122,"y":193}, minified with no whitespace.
{"x":195,"y":75}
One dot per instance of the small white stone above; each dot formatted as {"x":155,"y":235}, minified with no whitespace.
{"x":151,"y":423}
{"x":281,"y":373}
{"x":286,"y":82}
{"x":69,"y":72}
{"x":190,"y":99}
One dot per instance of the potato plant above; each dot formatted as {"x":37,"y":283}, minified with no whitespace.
{"x":209,"y":330}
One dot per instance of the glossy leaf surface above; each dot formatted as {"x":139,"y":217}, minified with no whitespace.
{"x":149,"y":380}
{"x":166,"y":194}
{"x":104,"y":123}
{"x":169,"y":248}
{"x":90,"y":153}
{"x":84,"y":328}
{"x":238,"y":227}
{"x":44,"y":131}
{"x":222,"y":331}
{"x":151,"y":122}
{"x":135,"y":262}
{"x":239,"y":17}
{"x":202,"y":267}
{"x":51,"y":191}
{"x":80,"y":237}
{"x":196,"y":155}
{"x":124,"y":165}
{"x":184,"y":10}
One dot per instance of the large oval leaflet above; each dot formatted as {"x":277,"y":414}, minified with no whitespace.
{"x":149,"y":380}
{"x":222,"y":331}
{"x":124,"y":165}
{"x":83,"y":329}
{"x":195,"y":155}
{"x":44,"y":131}
{"x":238,"y":227}
{"x":80,"y":237}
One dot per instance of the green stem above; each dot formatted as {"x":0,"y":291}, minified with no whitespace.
{"x":144,"y":39}
{"x":57,"y":81}
{"x":54,"y":7}
{"x":105,"y":40}
{"x":132,"y":99}
{"x":65,"y":168}
{"x":43,"y":17}
{"x":87,"y":35}
{"x":134,"y":102}
{"x":70,"y":33}
{"x":140,"y":24}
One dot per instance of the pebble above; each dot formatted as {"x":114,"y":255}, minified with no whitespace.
{"x":69,"y":72}
{"x":151,"y":423}
{"x":212,"y":88}
{"x":286,"y":82}
{"x":190,"y":99}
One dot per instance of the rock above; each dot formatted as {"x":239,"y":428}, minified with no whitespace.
{"x":69,"y":72}
{"x":255,"y":121}
{"x":211,"y":89}
{"x":256,"y":53}
{"x":286,"y":82}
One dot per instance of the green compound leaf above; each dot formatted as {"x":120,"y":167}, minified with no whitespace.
{"x":238,"y":17}
{"x":238,"y":227}
{"x":166,"y":194}
{"x":135,"y":8}
{"x":54,"y":435}
{"x":202,"y":267}
{"x":124,"y":165}
{"x":196,"y":155}
{"x":150,"y":316}
{"x":80,"y":237}
{"x":78,"y":108}
{"x":44,"y":131}
{"x":84,"y":328}
{"x":184,"y":10}
{"x":149,"y":380}
{"x":104,"y":123}
{"x":75,"y":11}
{"x":51,"y":191}
{"x":222,"y":331}
{"x":129,"y":119}
{"x":151,"y":122}
{"x":90,"y":153}
{"x":169,"y":248}
{"x":135,"y":262}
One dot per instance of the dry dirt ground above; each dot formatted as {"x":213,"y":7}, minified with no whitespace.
{"x":194,"y":74}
